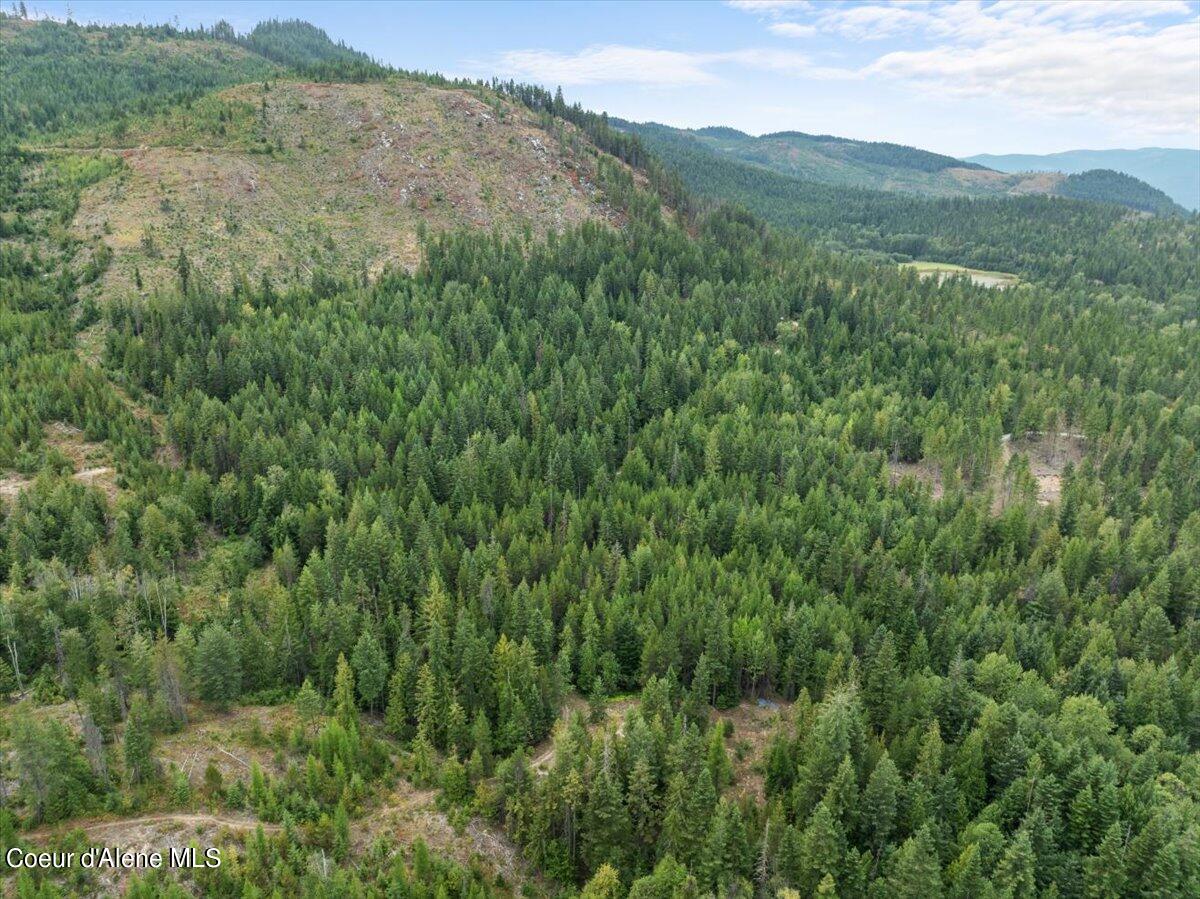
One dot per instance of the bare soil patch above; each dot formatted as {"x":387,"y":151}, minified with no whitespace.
{"x":1048,"y":456}
{"x":159,"y":833}
{"x":408,"y":813}
{"x":233,"y":741}
{"x":754,"y":721}
{"x":923,"y":472}
{"x":542,"y":756}
{"x":91,"y":462}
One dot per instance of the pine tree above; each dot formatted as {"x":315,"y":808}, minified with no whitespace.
{"x":966,"y":876}
{"x":308,"y":704}
{"x":841,"y":797}
{"x":726,"y":857}
{"x":183,"y":268}
{"x":823,"y":849}
{"x":1015,"y":871}
{"x":915,"y":872}
{"x":717,"y":760}
{"x":606,"y":821}
{"x":881,"y":688}
{"x":54,"y":778}
{"x":138,"y":743}
{"x":458,"y":737}
{"x":642,"y":799}
{"x":218,"y":667}
{"x":345,"y":710}
{"x":597,"y":701}
{"x":481,"y":740}
{"x":341,"y":833}
{"x":969,"y":773}
{"x":1082,"y":820}
{"x":879,"y":804}
{"x":685,"y":815}
{"x":431,"y":713}
{"x":399,"y":712}
{"x":1105,"y":873}
{"x":370,"y":668}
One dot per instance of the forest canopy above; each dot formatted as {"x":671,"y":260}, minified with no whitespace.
{"x":677,"y":555}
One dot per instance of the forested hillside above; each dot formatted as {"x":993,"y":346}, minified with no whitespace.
{"x":1053,"y":239}
{"x":1176,"y":172}
{"x":56,"y":76}
{"x":1107,"y":186}
{"x":823,"y":160}
{"x":660,"y":553}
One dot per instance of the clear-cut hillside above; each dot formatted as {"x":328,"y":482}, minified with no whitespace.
{"x":287,"y":177}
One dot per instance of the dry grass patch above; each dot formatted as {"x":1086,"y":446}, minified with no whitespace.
{"x":923,"y":472}
{"x":407,"y":813}
{"x":754,"y":721}
{"x":299,"y":177}
{"x":91,"y":462}
{"x":232,"y":741}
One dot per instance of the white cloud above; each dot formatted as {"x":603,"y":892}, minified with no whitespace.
{"x":792,"y":29}
{"x":1132,"y":64}
{"x":872,"y":22}
{"x":617,"y":63}
{"x":1143,"y":81}
{"x":772,"y":8}
{"x":606,"y":64}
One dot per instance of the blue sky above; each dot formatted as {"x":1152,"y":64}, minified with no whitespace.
{"x":959,"y":78}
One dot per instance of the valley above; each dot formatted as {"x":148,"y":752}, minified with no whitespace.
{"x":428,"y":487}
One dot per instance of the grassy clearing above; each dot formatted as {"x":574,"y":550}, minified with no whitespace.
{"x":944,"y":270}
{"x":286,"y":179}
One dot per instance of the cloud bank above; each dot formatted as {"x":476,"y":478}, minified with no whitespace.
{"x":1131,"y":63}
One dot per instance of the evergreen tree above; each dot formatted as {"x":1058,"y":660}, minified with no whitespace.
{"x":915,"y":872}
{"x":345,"y":709}
{"x":53,"y":776}
{"x":140,"y":765}
{"x":879,"y":804}
{"x":607,"y":826}
{"x":218,"y":667}
{"x":370,"y":669}
{"x":308,"y":703}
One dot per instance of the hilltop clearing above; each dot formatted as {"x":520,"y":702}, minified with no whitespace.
{"x":285,"y":179}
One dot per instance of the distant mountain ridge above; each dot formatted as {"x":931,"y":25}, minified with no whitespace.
{"x":876,"y":165}
{"x":1176,"y":172}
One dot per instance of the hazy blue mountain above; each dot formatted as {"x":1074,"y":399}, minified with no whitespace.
{"x":1175,"y":172}
{"x":850,"y":164}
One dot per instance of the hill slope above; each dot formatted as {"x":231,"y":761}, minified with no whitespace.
{"x":1043,"y":237}
{"x":841,"y":162}
{"x":284,"y":180}
{"x":276,"y":176}
{"x":905,"y":573}
{"x":56,"y":76}
{"x":1176,"y":172}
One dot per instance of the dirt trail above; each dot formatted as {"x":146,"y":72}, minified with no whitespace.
{"x":614,"y":713}
{"x":94,"y":826}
